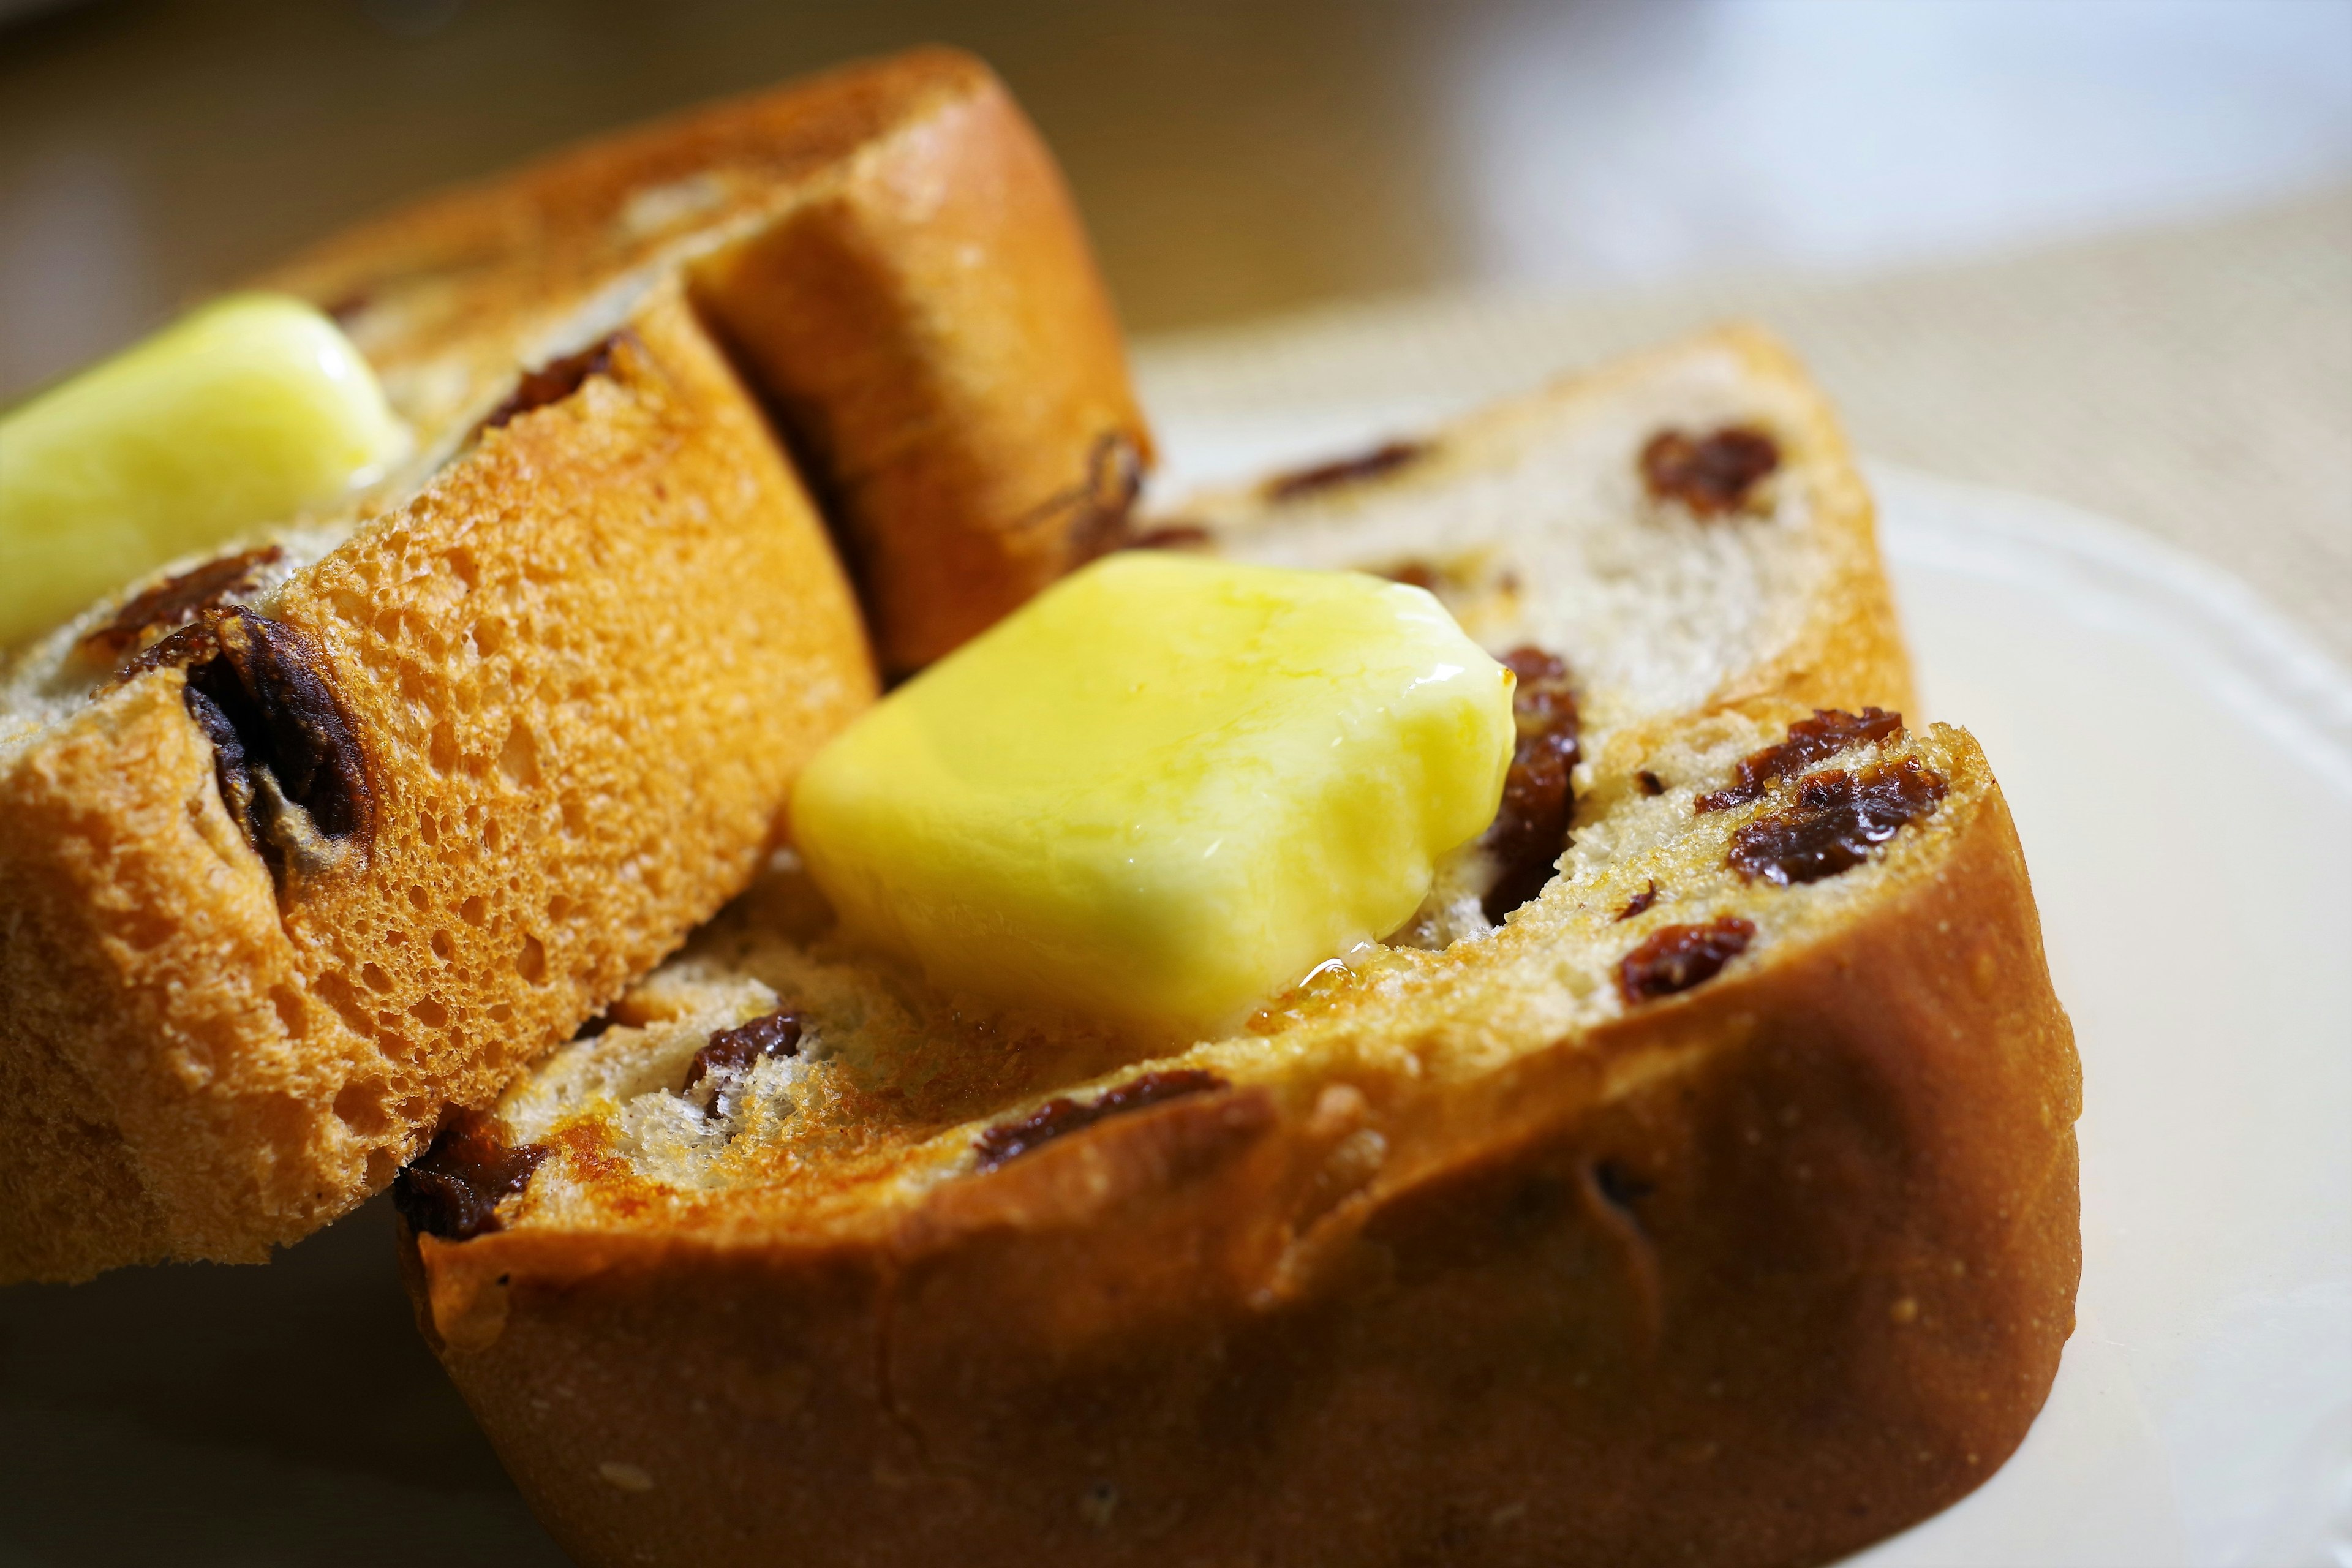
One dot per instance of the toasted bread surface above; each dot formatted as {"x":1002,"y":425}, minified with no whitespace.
{"x":566,"y":344}
{"x":1495,"y":1245}
{"x":893,"y":256}
{"x":1447,"y":1268}
{"x":576,"y":672}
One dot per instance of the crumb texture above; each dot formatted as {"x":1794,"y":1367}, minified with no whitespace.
{"x":576,"y":709}
{"x":1683,"y":1214}
{"x":584,"y":638}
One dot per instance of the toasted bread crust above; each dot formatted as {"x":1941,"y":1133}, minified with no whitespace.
{"x":958,"y":390}
{"x":1475,"y":1260}
{"x":1751,"y":1275}
{"x":893,"y":256}
{"x":582,"y":666}
{"x":975,"y":449}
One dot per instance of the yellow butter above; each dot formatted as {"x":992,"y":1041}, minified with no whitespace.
{"x":1164,"y":790}
{"x":242,"y":415}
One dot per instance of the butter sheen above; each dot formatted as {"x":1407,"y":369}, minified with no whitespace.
{"x":1162,"y":791}
{"x":242,"y":416}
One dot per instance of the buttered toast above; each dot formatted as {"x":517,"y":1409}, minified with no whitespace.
{"x":1692,"y":1180}
{"x":306,"y":843}
{"x":889,"y":254}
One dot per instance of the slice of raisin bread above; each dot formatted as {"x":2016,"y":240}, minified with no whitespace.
{"x":891,"y":255}
{"x":1693,"y":1181}
{"x":305,"y":843}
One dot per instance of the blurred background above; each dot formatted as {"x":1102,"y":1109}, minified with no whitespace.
{"x":1233,"y":157}
{"x":2100,"y":250}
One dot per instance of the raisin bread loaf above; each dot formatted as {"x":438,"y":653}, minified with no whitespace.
{"x":1693,"y":1181}
{"x":305,"y":844}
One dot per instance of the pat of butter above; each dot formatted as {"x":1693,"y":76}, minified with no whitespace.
{"x":242,"y":415}
{"x":1162,"y":791}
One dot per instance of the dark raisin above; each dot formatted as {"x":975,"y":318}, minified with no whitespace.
{"x":1640,"y":901}
{"x":1385,"y":458}
{"x":1171,"y":536}
{"x":1833,"y":823}
{"x":1829,"y":731}
{"x":177,"y":601}
{"x":553,"y":382}
{"x":1675,"y":958}
{"x":453,"y":1190}
{"x":1094,"y":514}
{"x":1530,"y":828}
{"x":1416,"y":574}
{"x":1621,"y":1186}
{"x":231,"y":770}
{"x":1059,"y":1118}
{"x":1652,"y":784}
{"x":1711,"y":474}
{"x":730,"y":1052}
{"x":295,"y":779}
{"x":185,"y":647}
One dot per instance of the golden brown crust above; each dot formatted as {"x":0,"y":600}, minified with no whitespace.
{"x":472,"y":277}
{"x":1452,"y":1273}
{"x":1751,"y":1275}
{"x":891,"y":254}
{"x":583,"y":663}
{"x":581,"y":667}
{"x":980,"y":445}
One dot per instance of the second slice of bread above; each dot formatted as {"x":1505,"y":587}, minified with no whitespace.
{"x":1718,"y":1206}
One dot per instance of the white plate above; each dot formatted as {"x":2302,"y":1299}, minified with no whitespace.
{"x":2181,"y":767}
{"x":2179,"y":763}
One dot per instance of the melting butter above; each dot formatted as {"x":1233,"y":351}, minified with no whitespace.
{"x":245,"y":414}
{"x":1162,"y":791}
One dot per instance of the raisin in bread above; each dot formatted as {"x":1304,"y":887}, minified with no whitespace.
{"x":1716,"y":1203}
{"x":308,"y":842}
